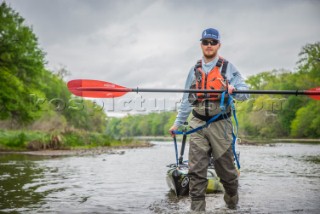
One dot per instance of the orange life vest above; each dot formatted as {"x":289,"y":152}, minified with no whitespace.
{"x":214,"y":80}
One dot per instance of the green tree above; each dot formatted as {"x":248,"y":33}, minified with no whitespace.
{"x":307,"y":120}
{"x":30,"y":93}
{"x":21,"y":67}
{"x":292,"y":115}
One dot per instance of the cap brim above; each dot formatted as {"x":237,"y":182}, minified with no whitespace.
{"x":209,"y":38}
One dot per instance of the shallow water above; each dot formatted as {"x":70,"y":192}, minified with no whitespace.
{"x":274,"y":179}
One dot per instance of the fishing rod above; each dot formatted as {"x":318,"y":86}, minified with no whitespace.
{"x":102,"y":89}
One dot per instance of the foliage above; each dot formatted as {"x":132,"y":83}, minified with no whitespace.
{"x":30,"y":95}
{"x":280,"y":116}
{"x":35,"y":140}
{"x":307,"y":121}
{"x":21,"y":66}
{"x":153,"y":124}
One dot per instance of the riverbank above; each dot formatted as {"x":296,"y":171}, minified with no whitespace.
{"x":258,"y":141}
{"x":243,"y":140}
{"x":68,"y":142}
{"x":78,"y":142}
{"x":83,"y":152}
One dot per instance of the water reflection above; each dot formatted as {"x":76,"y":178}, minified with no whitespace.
{"x":16,"y":173}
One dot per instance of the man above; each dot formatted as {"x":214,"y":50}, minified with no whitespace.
{"x":211,"y":72}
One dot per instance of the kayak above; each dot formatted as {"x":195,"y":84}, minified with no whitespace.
{"x":178,"y":180}
{"x":177,"y":176}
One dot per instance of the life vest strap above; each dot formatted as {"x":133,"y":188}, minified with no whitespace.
{"x":220,"y":62}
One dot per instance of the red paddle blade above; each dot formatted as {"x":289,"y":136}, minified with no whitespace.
{"x":314,"y":93}
{"x":96,"y":88}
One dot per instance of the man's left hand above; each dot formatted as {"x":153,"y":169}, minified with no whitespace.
{"x":231,"y":89}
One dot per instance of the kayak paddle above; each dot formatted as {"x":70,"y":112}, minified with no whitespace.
{"x":101,"y":89}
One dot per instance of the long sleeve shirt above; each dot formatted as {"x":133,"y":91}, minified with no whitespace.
{"x":233,"y":76}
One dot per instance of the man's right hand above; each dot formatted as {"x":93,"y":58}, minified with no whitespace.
{"x":173,"y":128}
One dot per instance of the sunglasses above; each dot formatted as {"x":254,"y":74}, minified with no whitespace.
{"x":211,"y":42}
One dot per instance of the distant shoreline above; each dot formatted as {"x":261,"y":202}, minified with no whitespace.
{"x":80,"y":152}
{"x":297,"y":140}
{"x":279,"y":140}
{"x":142,"y":144}
{"x":244,"y":138}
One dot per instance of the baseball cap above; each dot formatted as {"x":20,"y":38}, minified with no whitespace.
{"x":210,"y":33}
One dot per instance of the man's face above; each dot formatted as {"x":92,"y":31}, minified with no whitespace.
{"x":210,"y":47}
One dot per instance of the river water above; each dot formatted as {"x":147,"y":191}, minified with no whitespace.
{"x":274,"y":179}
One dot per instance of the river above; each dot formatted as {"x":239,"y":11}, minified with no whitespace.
{"x":277,"y":178}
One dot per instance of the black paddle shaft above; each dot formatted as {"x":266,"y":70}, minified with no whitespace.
{"x":109,"y":89}
{"x":292,"y":92}
{"x":184,"y":139}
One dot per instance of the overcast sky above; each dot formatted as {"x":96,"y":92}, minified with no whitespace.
{"x":154,"y":43}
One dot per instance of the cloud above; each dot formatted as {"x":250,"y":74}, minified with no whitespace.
{"x":154,"y":43}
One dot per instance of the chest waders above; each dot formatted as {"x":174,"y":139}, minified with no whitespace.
{"x":223,"y":114}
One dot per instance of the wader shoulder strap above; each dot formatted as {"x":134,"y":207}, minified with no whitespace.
{"x":198,"y":65}
{"x":224,"y":69}
{"x":220,"y":62}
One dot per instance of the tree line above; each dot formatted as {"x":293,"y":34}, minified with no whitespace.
{"x":282,"y":116}
{"x":261,"y":116}
{"x":153,"y":124}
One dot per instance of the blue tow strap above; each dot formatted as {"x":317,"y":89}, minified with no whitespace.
{"x":235,"y":136}
{"x":222,"y":113}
